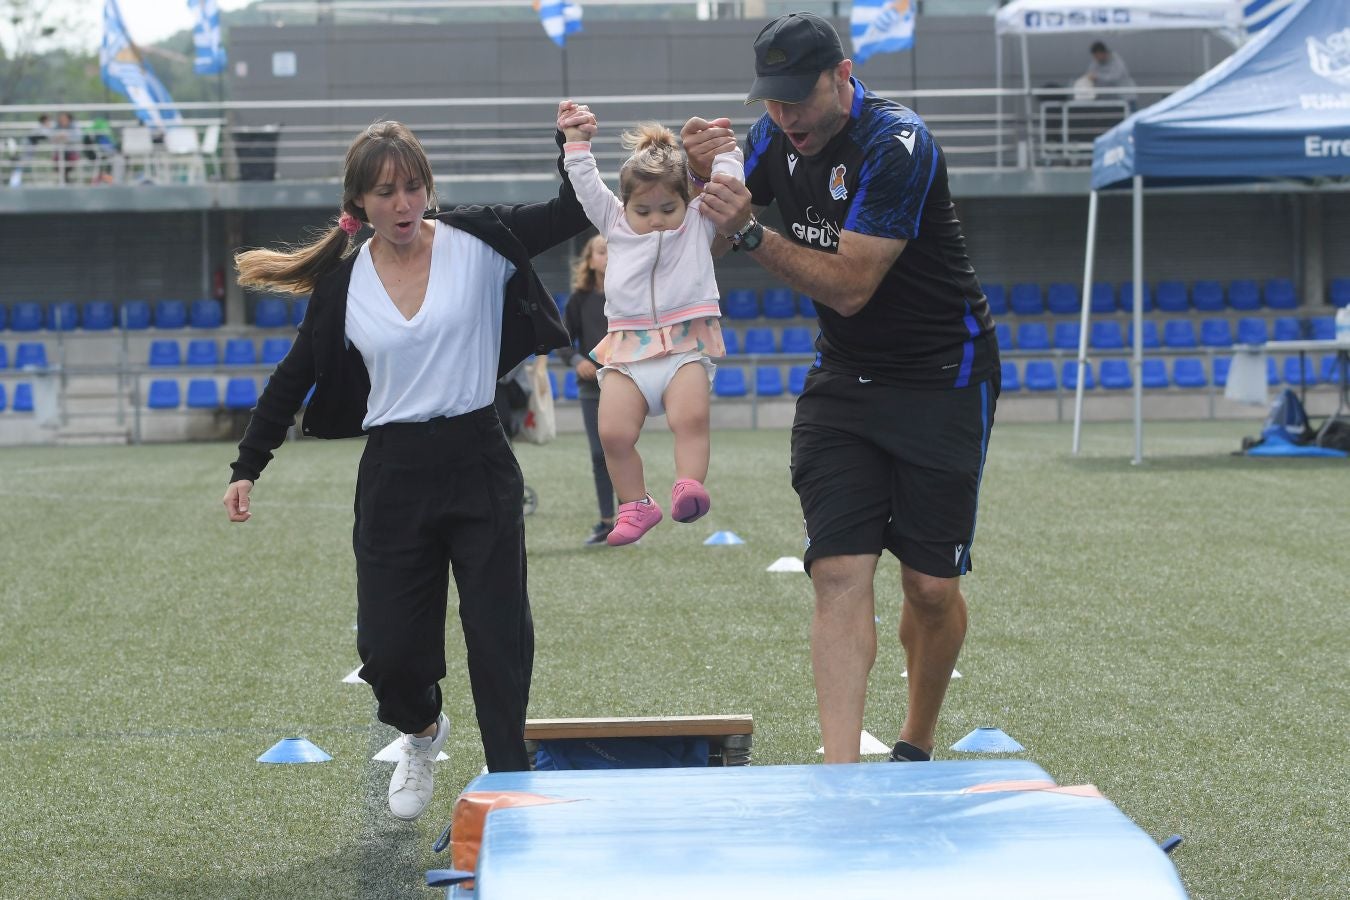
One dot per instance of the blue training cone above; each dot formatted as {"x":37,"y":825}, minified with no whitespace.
{"x":723,"y":538}
{"x":294,"y":750}
{"x":987,"y":740}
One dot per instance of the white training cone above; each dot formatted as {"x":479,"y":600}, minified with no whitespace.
{"x":723,"y":538}
{"x":354,"y":677}
{"x":867,"y":746}
{"x":393,"y":754}
{"x":786,"y":564}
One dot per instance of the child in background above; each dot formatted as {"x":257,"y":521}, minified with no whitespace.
{"x":661,"y":300}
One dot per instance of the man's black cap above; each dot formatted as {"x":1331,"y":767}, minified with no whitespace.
{"x":790,"y":53}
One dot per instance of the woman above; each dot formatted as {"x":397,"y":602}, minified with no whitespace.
{"x":404,"y":338}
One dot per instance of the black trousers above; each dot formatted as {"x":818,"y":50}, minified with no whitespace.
{"x":432,"y":497}
{"x":604,"y":488}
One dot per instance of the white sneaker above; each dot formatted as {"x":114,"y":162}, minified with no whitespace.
{"x":415,"y":776}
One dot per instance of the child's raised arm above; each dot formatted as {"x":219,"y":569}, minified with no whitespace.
{"x":576,"y":121}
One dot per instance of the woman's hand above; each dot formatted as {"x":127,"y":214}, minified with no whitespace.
{"x":576,"y":121}
{"x":703,"y":140}
{"x":585,"y":370}
{"x":236,"y":500}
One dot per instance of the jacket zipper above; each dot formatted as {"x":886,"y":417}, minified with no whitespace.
{"x":656,"y":320}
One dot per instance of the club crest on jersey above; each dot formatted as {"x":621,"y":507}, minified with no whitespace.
{"x":837,"y":189}
{"x":792,"y":163}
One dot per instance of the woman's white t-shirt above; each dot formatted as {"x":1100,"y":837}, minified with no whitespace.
{"x":442,"y":361}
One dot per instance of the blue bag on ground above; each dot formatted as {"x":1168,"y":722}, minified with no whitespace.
{"x":1287,"y":421}
{"x":621,"y":753}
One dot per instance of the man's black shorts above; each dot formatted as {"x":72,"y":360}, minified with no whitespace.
{"x":884,"y":467}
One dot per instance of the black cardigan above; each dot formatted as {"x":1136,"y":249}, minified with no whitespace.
{"x":320,"y":356}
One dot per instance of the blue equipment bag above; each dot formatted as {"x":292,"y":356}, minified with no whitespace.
{"x":621,"y":753}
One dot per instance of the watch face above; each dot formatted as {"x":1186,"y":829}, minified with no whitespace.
{"x":753,"y":239}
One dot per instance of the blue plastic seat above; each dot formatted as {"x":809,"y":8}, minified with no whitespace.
{"x":759,"y":340}
{"x":274,"y":350}
{"x":806,"y":307}
{"x":741,"y":304}
{"x":1039,"y":375}
{"x":1322,"y":328}
{"x":270,"y":312}
{"x":30,"y":354}
{"x":1066,"y":335}
{"x":4,"y":357}
{"x":768,"y":381}
{"x":1107,"y":335}
{"x":203,"y":393}
{"x":4,"y":316}
{"x":99,"y":315}
{"x":170,"y":314}
{"x":571,"y":390}
{"x":1279,"y":294}
{"x":1103,"y":297}
{"x":298,"y":308}
{"x":1171,"y":297}
{"x":164,"y":394}
{"x":206,"y":314}
{"x":1188,"y":372}
{"x":997,"y":297}
{"x":240,"y":352}
{"x":1308,"y":369}
{"x":1069,"y":375}
{"x":203,"y":353}
{"x":241,"y":393}
{"x":797,"y":340}
{"x":1272,"y":372}
{"x":1216,"y":333}
{"x":797,"y":378}
{"x":23,"y":397}
{"x":1154,"y":373}
{"x":1062,"y":299}
{"x":1114,"y":374}
{"x":553,"y":388}
{"x":729,"y":382}
{"x":135,"y":315}
{"x":1026,"y":299}
{"x":1179,"y":333}
{"x":1126,"y":297}
{"x":779,"y":304}
{"x":731,"y":340}
{"x":1009,"y":378}
{"x":1003,"y":335}
{"x":1032,"y":336}
{"x":1150,"y":334}
{"x":4,"y":399}
{"x":1331,"y":369}
{"x":25,"y":317}
{"x":1338,"y":292}
{"x":165,"y":353}
{"x":1251,"y":331}
{"x":1207,"y":296}
{"x":64,"y":315}
{"x":1286,"y":328}
{"x":1244,"y":295}
{"x":1221,"y":364}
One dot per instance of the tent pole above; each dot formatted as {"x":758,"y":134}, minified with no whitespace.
{"x":1026,"y":95}
{"x":1084,"y":318}
{"x":998,"y":99}
{"x":1138,"y":276}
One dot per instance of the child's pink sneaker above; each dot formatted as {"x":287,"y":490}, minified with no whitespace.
{"x":689,"y":500}
{"x":634,"y":520}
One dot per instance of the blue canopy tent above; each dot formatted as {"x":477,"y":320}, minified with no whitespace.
{"x":1278,"y":108}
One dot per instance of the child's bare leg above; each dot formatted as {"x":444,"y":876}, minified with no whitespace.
{"x":623,"y":410}
{"x":687,"y":404}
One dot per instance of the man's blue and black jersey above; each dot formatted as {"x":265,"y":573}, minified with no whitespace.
{"x":928,"y":324}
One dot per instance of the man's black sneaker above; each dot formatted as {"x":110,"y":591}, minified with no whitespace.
{"x":903,"y":751}
{"x":598,"y":535}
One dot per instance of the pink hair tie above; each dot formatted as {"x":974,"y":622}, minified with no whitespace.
{"x":349,"y":223}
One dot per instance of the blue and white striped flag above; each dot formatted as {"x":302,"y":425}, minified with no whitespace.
{"x":1257,"y":14}
{"x":881,"y":26}
{"x":559,"y":19}
{"x":208,"y":56}
{"x":125,"y":72}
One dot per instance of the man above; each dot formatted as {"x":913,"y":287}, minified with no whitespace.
{"x":1107,"y":70}
{"x":889,"y":439}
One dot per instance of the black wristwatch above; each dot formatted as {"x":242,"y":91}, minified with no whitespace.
{"x":749,"y":237}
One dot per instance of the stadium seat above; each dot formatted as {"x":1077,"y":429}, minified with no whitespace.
{"x":99,"y":315}
{"x":1272,"y":372}
{"x":135,"y":315}
{"x":203,"y":393}
{"x":759,"y":340}
{"x":779,"y":304}
{"x":1150,"y":334}
{"x":768,"y":381}
{"x":741,"y":304}
{"x":270,"y":312}
{"x":4,"y":357}
{"x":1322,"y":328}
{"x":997,"y":297}
{"x":1292,"y":370}
{"x":1103,"y":297}
{"x":30,"y":354}
{"x":1331,"y":369}
{"x":806,"y":307}
{"x":1286,"y":328}
{"x":25,"y":317}
{"x":4,"y":316}
{"x":1243,"y":295}
{"x":1039,"y":375}
{"x":1032,"y":336}
{"x":731,"y":340}
{"x":1003,"y":334}
{"x":1171,"y":297}
{"x":1251,"y":331}
{"x":1069,"y":375}
{"x":206,"y":314}
{"x":240,"y":352}
{"x":552,"y":386}
{"x":1155,"y":373}
{"x":1114,"y":374}
{"x":241,"y":393}
{"x":797,"y":340}
{"x":1188,"y":372}
{"x":1066,"y":335}
{"x":4,"y":400}
{"x":1009,"y":379}
{"x":797,"y":378}
{"x":164,"y":394}
{"x":1216,"y":333}
{"x":571,"y":390}
{"x":1221,"y":364}
{"x":1338,"y":293}
{"x":165,"y":353}
{"x":1026,"y":299}
{"x":170,"y":314}
{"x":1062,"y":299}
{"x":1207,"y":296}
{"x":63,"y":316}
{"x":298,"y":308}
{"x":1126,"y":297}
{"x":1179,"y":333}
{"x":274,"y":350}
{"x":203,"y":353}
{"x":1107,"y":335}
{"x":23,"y":397}
{"x":1280,"y":294}
{"x":729,"y":382}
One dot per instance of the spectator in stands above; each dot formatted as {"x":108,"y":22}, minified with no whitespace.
{"x":42,"y":132}
{"x":661,"y":302}
{"x":1107,"y":70}
{"x":586,"y":323}
{"x":69,"y":138}
{"x":891,"y":431}
{"x":403,"y":340}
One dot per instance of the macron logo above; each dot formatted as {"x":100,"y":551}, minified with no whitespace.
{"x":906,"y":137}
{"x":792,"y":163}
{"x":959,"y":548}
